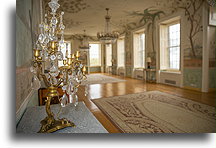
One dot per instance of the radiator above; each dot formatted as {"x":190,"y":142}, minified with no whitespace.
{"x":171,"y":82}
{"x":121,"y":74}
{"x":139,"y":77}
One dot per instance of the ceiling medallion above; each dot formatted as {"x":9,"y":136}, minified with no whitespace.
{"x":107,"y":37}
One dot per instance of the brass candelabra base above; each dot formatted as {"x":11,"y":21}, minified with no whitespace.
{"x":50,"y":124}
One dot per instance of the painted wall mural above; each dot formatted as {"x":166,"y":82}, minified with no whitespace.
{"x":191,"y":31}
{"x":192,"y":45}
{"x":148,"y":17}
{"x":128,"y":54}
{"x":193,"y":14}
{"x":192,"y":76}
{"x":212,"y":58}
{"x":191,"y":9}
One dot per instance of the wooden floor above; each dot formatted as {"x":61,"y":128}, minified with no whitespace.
{"x":134,"y":86}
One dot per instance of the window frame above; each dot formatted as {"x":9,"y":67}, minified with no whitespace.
{"x":169,"y":46}
{"x":121,"y":54}
{"x":110,"y":64}
{"x":136,"y":35}
{"x":167,"y":23}
{"x":100,"y":52}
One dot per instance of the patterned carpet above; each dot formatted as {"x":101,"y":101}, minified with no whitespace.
{"x":99,"y":79}
{"x":157,"y":112}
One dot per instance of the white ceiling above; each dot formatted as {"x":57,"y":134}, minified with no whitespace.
{"x":89,"y":14}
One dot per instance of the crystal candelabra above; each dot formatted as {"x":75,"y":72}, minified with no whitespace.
{"x":46,"y":67}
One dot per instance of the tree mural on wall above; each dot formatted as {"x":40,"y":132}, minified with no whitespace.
{"x":148,"y":17}
{"x":191,"y":9}
{"x":128,"y":27}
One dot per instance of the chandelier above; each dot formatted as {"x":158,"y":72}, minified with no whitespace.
{"x":84,"y":42}
{"x":46,"y":67}
{"x":107,"y":36}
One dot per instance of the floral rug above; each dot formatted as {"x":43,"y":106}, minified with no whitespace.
{"x":99,"y":79}
{"x":157,"y":112}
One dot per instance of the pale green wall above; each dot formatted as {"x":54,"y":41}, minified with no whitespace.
{"x":25,"y":96}
{"x":212,"y":57}
{"x":212,"y":78}
{"x":23,"y":43}
{"x":95,"y":69}
{"x":193,"y":77}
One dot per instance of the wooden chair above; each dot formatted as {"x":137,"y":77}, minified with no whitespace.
{"x":42,"y":92}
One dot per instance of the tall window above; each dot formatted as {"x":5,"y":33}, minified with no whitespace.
{"x":170,"y":46}
{"x":67,"y":46}
{"x":121,"y":53}
{"x":108,"y":55}
{"x":139,"y":50}
{"x":174,"y":46}
{"x":95,"y":54}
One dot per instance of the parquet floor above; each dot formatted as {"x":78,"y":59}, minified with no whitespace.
{"x":134,"y":86}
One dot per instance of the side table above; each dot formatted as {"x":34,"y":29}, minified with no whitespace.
{"x":148,"y":73}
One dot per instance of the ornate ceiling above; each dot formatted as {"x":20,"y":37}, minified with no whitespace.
{"x":89,"y":14}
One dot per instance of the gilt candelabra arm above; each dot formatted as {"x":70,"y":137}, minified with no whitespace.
{"x":59,"y":82}
{"x":85,"y":77}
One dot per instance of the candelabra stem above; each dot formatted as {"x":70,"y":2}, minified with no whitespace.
{"x":50,"y":124}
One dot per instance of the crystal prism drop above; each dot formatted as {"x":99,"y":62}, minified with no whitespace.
{"x":70,"y":98}
{"x":70,"y":87}
{"x":41,"y":38}
{"x":54,"y":71}
{"x":46,"y":40}
{"x":64,"y":100}
{"x":54,"y":20}
{"x":76,"y":100}
{"x":52,"y":57}
{"x":60,"y":55}
{"x":68,"y":90}
{"x":35,"y":84}
{"x":54,"y":68}
{"x":62,"y":27}
{"x":33,"y":70}
{"x":64,"y":87}
{"x":61,"y":43}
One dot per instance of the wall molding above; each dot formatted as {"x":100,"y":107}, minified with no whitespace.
{"x":205,"y":51}
{"x":23,"y":107}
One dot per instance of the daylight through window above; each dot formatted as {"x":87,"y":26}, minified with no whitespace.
{"x":95,"y":54}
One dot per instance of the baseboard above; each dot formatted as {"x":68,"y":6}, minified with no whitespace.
{"x":212,"y":89}
{"x":21,"y":110}
{"x":192,"y":88}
